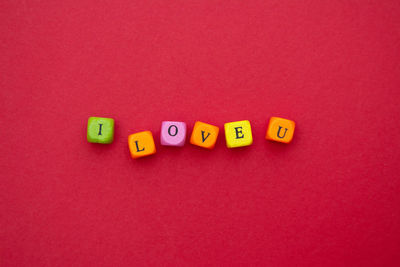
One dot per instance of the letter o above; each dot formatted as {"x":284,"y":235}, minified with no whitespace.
{"x":169,"y":130}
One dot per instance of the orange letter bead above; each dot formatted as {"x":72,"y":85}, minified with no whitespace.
{"x":204,"y":135}
{"x":280,"y":130}
{"x":141,"y":144}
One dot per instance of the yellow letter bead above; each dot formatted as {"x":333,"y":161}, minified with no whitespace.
{"x":141,"y":144}
{"x":280,"y":130}
{"x":238,"y":134}
{"x":204,"y":135}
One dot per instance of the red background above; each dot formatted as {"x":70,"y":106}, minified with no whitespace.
{"x":330,"y":198}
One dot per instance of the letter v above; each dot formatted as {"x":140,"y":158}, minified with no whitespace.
{"x":202,"y":136}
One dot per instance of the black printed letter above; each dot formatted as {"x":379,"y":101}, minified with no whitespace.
{"x":169,"y":130}
{"x":202,"y":136}
{"x":283,"y":133}
{"x":239,"y":132}
{"x":100,"y":128}
{"x":137,"y":147}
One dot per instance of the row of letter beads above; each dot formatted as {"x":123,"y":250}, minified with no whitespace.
{"x":173,"y":133}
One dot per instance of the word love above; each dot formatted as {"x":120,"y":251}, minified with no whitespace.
{"x":173,"y":133}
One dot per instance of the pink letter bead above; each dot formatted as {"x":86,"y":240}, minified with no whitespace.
{"x":173,"y":133}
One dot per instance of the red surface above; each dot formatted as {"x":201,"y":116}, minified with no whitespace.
{"x":330,"y":198}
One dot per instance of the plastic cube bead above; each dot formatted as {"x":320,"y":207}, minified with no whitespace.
{"x":280,"y":130}
{"x":100,"y":130}
{"x":141,"y":144}
{"x":238,"y":134}
{"x":204,"y":135}
{"x":173,"y":133}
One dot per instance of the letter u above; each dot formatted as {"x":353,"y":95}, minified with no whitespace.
{"x":279,"y":130}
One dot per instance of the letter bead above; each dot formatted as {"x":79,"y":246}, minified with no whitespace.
{"x":141,"y":144}
{"x":238,"y":134}
{"x":173,"y":133}
{"x":100,"y":130}
{"x":280,"y":130}
{"x":204,"y":135}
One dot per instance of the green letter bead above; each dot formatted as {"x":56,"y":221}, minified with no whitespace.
{"x":100,"y":130}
